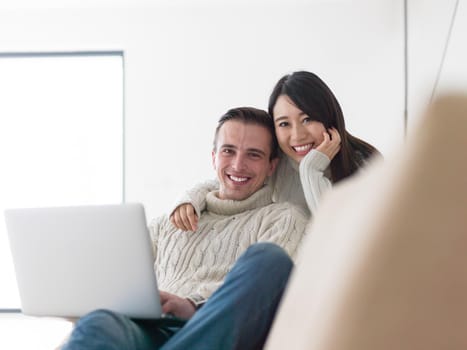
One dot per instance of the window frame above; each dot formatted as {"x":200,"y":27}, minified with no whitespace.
{"x":121,"y":53}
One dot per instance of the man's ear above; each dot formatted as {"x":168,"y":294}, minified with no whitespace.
{"x":273,"y":165}
{"x":213,"y":155}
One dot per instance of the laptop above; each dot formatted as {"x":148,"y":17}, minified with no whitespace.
{"x":73,"y":260}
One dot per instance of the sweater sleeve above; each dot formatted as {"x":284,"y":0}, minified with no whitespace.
{"x":285,"y":227}
{"x":312,"y":177}
{"x":196,"y":196}
{"x":154,"y":230}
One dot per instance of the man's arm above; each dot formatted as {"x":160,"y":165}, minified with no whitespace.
{"x":154,"y":228}
{"x":285,"y":226}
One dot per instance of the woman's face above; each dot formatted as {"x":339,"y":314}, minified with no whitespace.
{"x":296,"y":132}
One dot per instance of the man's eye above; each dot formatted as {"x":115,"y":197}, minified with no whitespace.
{"x":255,"y":156}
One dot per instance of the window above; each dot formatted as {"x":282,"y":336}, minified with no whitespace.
{"x":61,"y":137}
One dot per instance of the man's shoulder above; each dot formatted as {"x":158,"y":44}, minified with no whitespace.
{"x":159,"y":222}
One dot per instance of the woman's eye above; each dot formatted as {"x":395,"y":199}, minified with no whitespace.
{"x":282,"y":124}
{"x":307,"y":120}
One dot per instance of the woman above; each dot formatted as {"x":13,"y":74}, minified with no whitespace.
{"x":317,"y":150}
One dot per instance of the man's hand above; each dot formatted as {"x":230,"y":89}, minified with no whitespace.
{"x":185,"y":218}
{"x":177,"y":306}
{"x":331,"y":144}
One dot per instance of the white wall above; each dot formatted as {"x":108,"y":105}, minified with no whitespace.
{"x":429,"y":25}
{"x":186,"y":64}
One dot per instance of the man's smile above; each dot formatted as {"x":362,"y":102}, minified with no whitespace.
{"x":238,"y":179}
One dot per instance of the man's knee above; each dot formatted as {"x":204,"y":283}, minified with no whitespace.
{"x":101,"y":320}
{"x":100,"y":316}
{"x":100,"y":329}
{"x":270,"y":254}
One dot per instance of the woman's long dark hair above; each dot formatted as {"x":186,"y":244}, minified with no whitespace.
{"x":313,"y":97}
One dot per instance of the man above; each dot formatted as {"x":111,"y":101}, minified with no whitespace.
{"x":195,"y":268}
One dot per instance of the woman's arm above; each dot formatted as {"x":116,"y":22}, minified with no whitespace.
{"x":313,"y":179}
{"x":188,"y":208}
{"x":313,"y":167}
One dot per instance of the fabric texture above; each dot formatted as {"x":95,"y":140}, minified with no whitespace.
{"x":194,"y":264}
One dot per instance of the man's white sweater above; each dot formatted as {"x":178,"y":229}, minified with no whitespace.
{"x":193,"y":264}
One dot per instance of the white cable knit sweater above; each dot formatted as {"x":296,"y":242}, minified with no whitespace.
{"x":193,"y":264}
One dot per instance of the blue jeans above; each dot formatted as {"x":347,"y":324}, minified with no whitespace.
{"x":237,"y":316}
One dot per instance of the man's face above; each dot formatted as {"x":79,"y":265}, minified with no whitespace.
{"x":241,"y":159}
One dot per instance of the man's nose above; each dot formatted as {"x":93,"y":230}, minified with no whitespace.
{"x":239,"y":162}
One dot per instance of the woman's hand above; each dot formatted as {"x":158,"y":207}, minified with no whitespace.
{"x":184,"y":217}
{"x":331,"y":144}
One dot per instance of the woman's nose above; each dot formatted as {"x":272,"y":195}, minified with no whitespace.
{"x":297,"y":132}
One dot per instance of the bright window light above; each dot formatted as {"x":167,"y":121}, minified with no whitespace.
{"x":61,"y":137}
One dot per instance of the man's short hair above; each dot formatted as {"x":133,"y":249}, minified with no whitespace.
{"x":250,"y":115}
